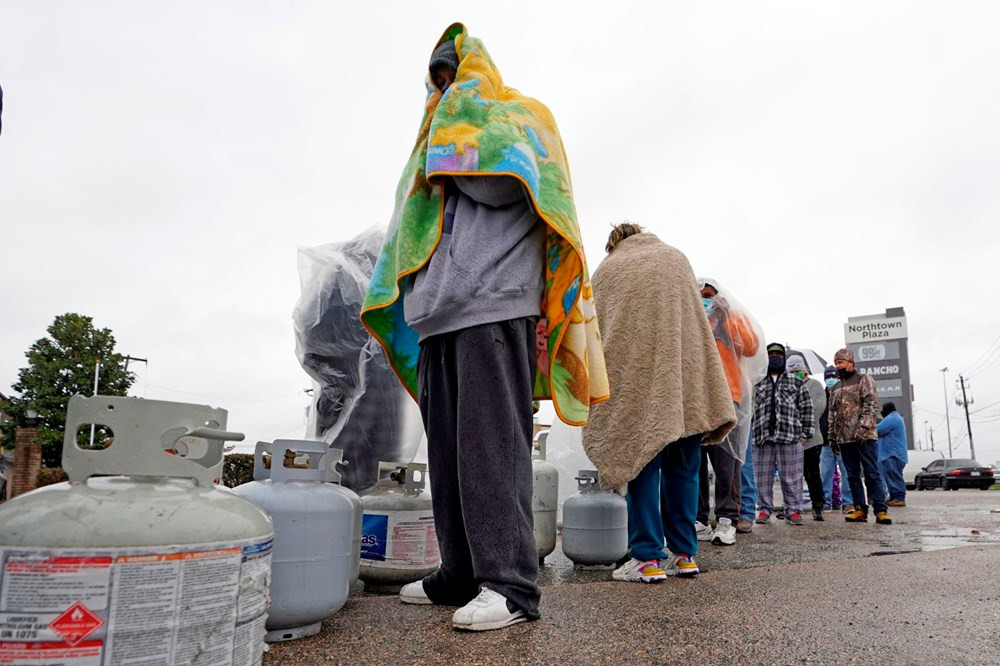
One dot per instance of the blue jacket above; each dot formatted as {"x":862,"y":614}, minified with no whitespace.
{"x":892,"y":438}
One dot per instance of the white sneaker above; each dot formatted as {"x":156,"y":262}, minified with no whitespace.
{"x":413,"y":593}
{"x":702,"y":531}
{"x":487,"y":611}
{"x":725,"y":533}
{"x":637,"y":571}
{"x":682,"y":565}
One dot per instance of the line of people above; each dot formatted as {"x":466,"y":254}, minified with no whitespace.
{"x":782,"y":421}
{"x":481,"y":302}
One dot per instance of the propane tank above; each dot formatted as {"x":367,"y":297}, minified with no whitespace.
{"x":544,"y":497}
{"x":313,"y":534}
{"x":154,"y":563}
{"x":398,"y":543}
{"x":336,"y":457}
{"x":595,"y":524}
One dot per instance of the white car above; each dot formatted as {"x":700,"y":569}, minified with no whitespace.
{"x":916,"y":461}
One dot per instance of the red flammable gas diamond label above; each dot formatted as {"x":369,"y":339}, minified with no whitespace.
{"x":76,"y":623}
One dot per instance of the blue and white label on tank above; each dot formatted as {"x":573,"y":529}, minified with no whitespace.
{"x":374,"y":536}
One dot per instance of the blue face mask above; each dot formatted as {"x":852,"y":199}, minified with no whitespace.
{"x":708,"y":305}
{"x":830,"y":382}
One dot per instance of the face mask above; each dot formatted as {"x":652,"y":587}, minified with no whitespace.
{"x":830,"y":382}
{"x":844,"y":373}
{"x":799,"y":374}
{"x":708,"y":305}
{"x":776,"y":364}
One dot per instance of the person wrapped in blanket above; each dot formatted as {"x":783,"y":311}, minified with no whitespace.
{"x":737,"y":337}
{"x":475,"y":306}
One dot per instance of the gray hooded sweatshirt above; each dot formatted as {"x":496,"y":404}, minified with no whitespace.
{"x":818,"y":394}
{"x":489,"y":264}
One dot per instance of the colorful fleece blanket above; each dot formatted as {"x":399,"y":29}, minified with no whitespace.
{"x":479,"y":126}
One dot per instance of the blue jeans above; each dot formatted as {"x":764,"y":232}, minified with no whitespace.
{"x":892,"y":478}
{"x":748,"y":495}
{"x":679,"y":462}
{"x":827,"y":460}
{"x":861,"y":460}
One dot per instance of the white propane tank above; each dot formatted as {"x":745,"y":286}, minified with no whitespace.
{"x":544,"y":497}
{"x":595,"y":524}
{"x":155,"y":564}
{"x":337,"y":458}
{"x":313,"y":535}
{"x":398,"y":542}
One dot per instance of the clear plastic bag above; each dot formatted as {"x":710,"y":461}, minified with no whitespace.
{"x":358,"y":405}
{"x":737,"y":334}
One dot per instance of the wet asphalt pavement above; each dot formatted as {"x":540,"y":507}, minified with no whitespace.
{"x":924,"y":590}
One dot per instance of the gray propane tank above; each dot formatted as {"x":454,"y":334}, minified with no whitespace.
{"x":336,"y":457}
{"x":544,"y":497}
{"x":595,"y":524}
{"x":398,"y":542}
{"x":154,"y":563}
{"x":313,"y":535}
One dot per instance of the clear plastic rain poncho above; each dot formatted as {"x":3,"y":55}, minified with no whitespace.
{"x":359,"y":405}
{"x":740,"y":341}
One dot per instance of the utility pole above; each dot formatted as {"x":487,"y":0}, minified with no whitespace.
{"x":925,"y":430}
{"x":968,"y":423}
{"x":136,"y":359}
{"x":97,"y":379}
{"x":932,"y":438}
{"x":947,"y":419}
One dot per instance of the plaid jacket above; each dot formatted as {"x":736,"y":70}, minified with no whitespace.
{"x":782,"y":410}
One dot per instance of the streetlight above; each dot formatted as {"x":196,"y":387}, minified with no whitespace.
{"x":944,"y":385}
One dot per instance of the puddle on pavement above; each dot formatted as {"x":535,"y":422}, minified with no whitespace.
{"x":955,"y":537}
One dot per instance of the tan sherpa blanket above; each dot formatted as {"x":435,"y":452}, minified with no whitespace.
{"x":666,"y":377}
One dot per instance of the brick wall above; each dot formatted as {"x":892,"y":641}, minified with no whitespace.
{"x":27,"y":462}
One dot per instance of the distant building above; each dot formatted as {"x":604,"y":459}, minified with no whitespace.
{"x":4,"y":416}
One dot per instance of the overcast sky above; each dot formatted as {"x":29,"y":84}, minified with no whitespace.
{"x":160,"y":164}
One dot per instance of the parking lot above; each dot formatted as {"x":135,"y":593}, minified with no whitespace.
{"x":922,"y":590}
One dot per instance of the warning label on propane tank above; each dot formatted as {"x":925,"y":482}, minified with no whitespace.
{"x":117,"y":607}
{"x":400,"y":539}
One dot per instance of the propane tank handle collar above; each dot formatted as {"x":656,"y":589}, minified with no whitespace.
{"x":147,"y":439}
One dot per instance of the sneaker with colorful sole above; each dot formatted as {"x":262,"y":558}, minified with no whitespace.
{"x":638,"y":571}
{"x":682,"y":565}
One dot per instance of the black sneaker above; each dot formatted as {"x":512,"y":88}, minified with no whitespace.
{"x":818,"y":514}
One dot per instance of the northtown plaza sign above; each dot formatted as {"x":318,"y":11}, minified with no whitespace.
{"x":879,"y":346}
{"x":866,"y":329}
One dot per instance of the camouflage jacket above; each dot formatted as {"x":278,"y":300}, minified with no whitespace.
{"x":854,"y":410}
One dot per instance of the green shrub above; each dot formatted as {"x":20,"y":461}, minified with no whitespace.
{"x":49,"y":475}
{"x":237,"y":469}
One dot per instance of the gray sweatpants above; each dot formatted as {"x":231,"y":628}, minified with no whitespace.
{"x":475,"y":399}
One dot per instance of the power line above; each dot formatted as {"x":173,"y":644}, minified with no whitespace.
{"x":996,"y":357}
{"x":975,"y":411}
{"x":976,"y":362}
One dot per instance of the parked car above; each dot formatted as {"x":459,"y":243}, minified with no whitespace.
{"x":915,"y":462}
{"x":955,"y":473}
